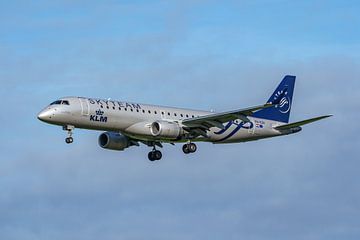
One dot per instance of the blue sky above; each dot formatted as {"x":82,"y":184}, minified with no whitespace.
{"x":217,"y":55}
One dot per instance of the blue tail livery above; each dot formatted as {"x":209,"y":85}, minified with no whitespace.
{"x":282,"y":97}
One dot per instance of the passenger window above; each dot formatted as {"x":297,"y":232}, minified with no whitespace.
{"x":155,"y":112}
{"x":107,"y":107}
{"x":149,"y":111}
{"x":101,"y":106}
{"x":137,"y":110}
{"x":125,"y":109}
{"x":119,"y":108}
{"x":131,"y":109}
{"x":175,"y":114}
{"x":168,"y":113}
{"x":187,"y":115}
{"x":181,"y":115}
{"x":143,"y":111}
{"x":114,"y":108}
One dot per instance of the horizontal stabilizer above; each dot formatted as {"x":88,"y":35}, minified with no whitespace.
{"x":298,"y":124}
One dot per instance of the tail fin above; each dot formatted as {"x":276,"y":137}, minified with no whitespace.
{"x":282,"y":97}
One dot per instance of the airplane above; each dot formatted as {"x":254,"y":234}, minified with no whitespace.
{"x":127,"y":124}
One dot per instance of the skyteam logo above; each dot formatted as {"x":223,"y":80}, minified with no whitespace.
{"x":282,"y":101}
{"x":284,"y":105}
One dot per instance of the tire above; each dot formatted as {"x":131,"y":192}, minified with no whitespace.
{"x":157,"y":155}
{"x":69,"y":140}
{"x":192,"y":147}
{"x":151,"y":156}
{"x":185,"y":149}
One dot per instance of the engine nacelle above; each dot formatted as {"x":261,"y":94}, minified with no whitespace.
{"x":114,"y":141}
{"x":164,"y":129}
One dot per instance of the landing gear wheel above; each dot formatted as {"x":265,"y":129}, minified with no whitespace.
{"x":151,"y":156}
{"x":192,"y":147}
{"x":185,"y":149}
{"x":154,"y":155}
{"x":158,"y":155}
{"x":189,"y":148}
{"x":69,"y":140}
{"x":69,"y":130}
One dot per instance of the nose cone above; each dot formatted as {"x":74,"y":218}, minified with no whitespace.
{"x":44,"y":115}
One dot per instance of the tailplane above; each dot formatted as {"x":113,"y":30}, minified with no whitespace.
{"x":300,"y":123}
{"x":282,"y":98}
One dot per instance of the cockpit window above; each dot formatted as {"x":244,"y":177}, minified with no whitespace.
{"x":62,"y":102}
{"x":56,"y":102}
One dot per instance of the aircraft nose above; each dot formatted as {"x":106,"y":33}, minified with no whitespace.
{"x":44,"y":115}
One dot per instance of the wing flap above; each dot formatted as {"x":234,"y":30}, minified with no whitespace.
{"x":301,"y":123}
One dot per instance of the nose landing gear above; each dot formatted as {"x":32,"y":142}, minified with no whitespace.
{"x":189,"y":148}
{"x":69,"y":130}
{"x":69,"y":140}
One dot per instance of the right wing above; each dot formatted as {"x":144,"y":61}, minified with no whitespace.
{"x":200,"y":125}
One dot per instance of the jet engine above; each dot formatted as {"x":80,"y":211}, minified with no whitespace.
{"x":165,"y":129}
{"x":114,"y":141}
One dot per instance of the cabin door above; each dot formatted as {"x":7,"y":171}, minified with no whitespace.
{"x":85,"y":106}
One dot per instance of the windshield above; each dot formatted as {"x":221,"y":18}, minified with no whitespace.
{"x":58,"y":102}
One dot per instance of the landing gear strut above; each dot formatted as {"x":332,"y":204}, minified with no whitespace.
{"x":189,"y":148}
{"x":154,"y":155}
{"x":69,"y":130}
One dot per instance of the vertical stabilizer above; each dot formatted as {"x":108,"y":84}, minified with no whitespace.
{"x":282,"y":97}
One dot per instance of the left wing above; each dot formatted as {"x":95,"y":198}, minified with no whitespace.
{"x":199,"y":125}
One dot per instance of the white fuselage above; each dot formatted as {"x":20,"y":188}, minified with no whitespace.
{"x":134,"y":120}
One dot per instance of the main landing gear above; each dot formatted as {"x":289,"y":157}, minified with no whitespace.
{"x":157,"y":155}
{"x":69,"y":130}
{"x":189,"y":148}
{"x":154,"y":155}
